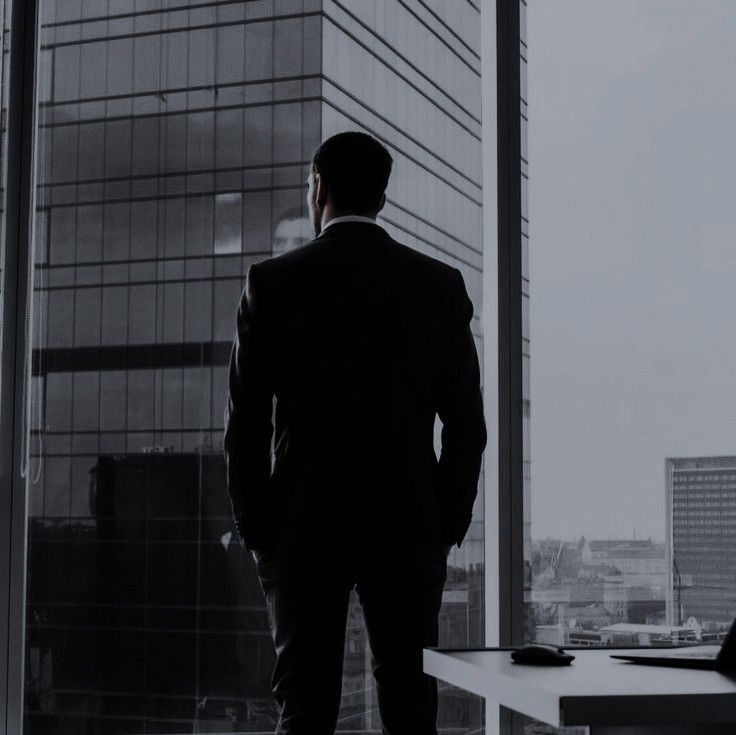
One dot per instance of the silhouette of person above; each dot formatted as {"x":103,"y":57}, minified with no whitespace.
{"x":362,"y":341}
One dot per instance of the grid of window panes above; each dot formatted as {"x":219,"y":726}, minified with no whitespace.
{"x":173,"y":143}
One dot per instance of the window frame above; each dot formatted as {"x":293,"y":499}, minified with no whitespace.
{"x":17,"y":233}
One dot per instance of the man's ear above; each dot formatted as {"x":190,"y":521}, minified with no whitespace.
{"x":320,"y":192}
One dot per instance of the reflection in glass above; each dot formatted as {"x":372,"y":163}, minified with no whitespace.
{"x":228,"y":223}
{"x":292,"y":230}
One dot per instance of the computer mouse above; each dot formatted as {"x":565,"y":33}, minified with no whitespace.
{"x":537,"y":654}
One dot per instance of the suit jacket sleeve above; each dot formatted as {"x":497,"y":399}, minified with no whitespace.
{"x":248,"y":427}
{"x":460,"y":407}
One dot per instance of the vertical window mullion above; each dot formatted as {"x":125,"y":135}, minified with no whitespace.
{"x":20,"y":18}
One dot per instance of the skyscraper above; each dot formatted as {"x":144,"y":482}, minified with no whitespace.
{"x":701,"y":539}
{"x":174,"y":139}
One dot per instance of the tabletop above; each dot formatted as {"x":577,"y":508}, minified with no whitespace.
{"x":594,"y":690}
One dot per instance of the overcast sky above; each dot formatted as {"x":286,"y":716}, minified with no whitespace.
{"x":632,"y":145}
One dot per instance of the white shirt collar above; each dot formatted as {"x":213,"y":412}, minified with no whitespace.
{"x":349,"y":218}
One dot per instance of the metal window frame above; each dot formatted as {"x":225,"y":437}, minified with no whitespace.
{"x":510,"y":342}
{"x":504,"y":561}
{"x":510,"y":403}
{"x":490,"y":340}
{"x":17,"y":252}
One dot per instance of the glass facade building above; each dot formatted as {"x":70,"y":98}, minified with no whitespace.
{"x":173,"y":141}
{"x":701,"y":540}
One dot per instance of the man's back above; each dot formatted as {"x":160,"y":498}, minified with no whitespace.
{"x":362,"y":340}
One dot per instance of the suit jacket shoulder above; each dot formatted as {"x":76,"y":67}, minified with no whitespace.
{"x":323,"y":251}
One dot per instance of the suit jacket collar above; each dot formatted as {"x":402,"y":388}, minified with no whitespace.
{"x":346,"y":228}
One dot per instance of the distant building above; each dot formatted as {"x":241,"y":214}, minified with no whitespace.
{"x":636,"y":634}
{"x":583,"y":585}
{"x":631,"y":634}
{"x":641,"y":562}
{"x":701,"y":538}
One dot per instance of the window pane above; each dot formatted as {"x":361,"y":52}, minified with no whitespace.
{"x":631,"y":295}
{"x":228,"y":223}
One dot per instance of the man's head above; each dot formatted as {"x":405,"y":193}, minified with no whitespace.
{"x":348,"y":175}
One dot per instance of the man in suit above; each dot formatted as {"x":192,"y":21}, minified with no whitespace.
{"x":363,"y":341}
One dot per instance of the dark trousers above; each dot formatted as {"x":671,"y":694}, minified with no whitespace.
{"x":308,"y":593}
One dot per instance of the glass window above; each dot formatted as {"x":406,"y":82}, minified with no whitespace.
{"x":197,"y":311}
{"x":57,"y":488}
{"x":60,"y":326}
{"x":114,"y":315}
{"x":120,"y":73}
{"x":87,"y":317}
{"x":173,"y":312}
{"x":142,"y":311}
{"x":89,"y":233}
{"x":92,"y":157}
{"x":631,"y":276}
{"x":287,"y":124}
{"x":227,"y":297}
{"x":259,"y":50}
{"x":258,"y":135}
{"x":288,"y":40}
{"x":116,"y":232}
{"x":63,"y":234}
{"x":117,"y":161}
{"x":58,"y":400}
{"x":172,"y":156}
{"x":146,"y":146}
{"x":201,"y":57}
{"x":174,"y":226}
{"x":171,"y":391}
{"x":230,"y":49}
{"x":199,"y":225}
{"x":66,"y":73}
{"x":175,"y":142}
{"x":147,"y":64}
{"x":85,"y":401}
{"x":200,"y":139}
{"x":93,"y":65}
{"x":112,"y":400}
{"x":228,"y":223}
{"x":143,"y":229}
{"x":311,"y":48}
{"x":257,"y":222}
{"x":196,"y":396}
{"x":229,"y":139}
{"x":140,"y":408}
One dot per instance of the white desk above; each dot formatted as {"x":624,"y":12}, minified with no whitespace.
{"x":608,"y":696}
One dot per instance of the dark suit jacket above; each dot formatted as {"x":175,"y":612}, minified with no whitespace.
{"x":362,"y":340}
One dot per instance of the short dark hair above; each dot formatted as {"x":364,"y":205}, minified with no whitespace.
{"x":355,"y":168}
